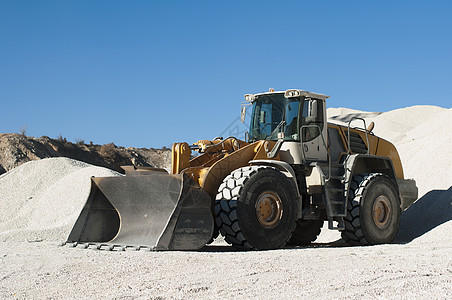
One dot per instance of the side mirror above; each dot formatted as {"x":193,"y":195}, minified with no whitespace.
{"x":313,"y":109}
{"x":242,"y":113}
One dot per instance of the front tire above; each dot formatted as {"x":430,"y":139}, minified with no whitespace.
{"x":256,"y":208}
{"x":373,"y":210}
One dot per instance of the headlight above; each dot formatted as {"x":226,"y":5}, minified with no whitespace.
{"x":292,"y":93}
{"x":250,"y":97}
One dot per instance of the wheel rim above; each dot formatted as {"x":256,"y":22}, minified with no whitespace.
{"x":381,"y":211}
{"x":269,"y":209}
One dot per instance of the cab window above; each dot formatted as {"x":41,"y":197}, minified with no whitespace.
{"x":291,"y":118}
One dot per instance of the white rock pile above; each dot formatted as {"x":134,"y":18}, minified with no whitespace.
{"x":41,"y":200}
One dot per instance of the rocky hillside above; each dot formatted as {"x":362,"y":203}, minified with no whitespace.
{"x":16,"y":149}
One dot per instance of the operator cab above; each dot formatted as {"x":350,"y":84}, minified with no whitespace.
{"x":297,"y":117}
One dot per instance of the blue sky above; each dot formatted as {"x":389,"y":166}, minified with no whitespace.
{"x":150,"y":73}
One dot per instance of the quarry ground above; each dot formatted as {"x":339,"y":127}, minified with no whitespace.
{"x":402,"y":271}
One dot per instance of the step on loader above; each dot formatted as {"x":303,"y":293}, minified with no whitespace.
{"x":291,"y":173}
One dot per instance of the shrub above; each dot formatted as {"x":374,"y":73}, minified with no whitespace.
{"x":61,"y":138}
{"x":79,"y":141}
{"x":23,"y":130}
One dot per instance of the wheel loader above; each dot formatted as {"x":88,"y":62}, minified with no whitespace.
{"x":291,"y":173}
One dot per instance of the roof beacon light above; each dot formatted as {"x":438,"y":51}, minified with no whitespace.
{"x":271,"y":90}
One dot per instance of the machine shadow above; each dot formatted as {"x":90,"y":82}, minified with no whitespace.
{"x":229,"y":248}
{"x":430,"y":211}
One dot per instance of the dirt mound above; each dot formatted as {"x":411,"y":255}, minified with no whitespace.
{"x":16,"y":149}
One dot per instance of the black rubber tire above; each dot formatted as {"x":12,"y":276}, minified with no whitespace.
{"x":235,"y":208}
{"x":360,"y":227}
{"x":305,"y":232}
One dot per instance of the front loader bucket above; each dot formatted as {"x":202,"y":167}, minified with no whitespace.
{"x":157,"y":211}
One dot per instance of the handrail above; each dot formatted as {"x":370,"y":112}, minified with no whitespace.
{"x":324,"y":144}
{"x":365,"y":131}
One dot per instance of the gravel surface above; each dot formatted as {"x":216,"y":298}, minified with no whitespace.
{"x":43,"y":270}
{"x":40,"y":201}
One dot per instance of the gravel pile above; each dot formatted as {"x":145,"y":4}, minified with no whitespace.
{"x":40,"y":200}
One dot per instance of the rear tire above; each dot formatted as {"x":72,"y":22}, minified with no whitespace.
{"x":306,"y":232}
{"x":256,"y":208}
{"x":373,"y":210}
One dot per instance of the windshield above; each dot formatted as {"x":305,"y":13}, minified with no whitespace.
{"x":269,"y":112}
